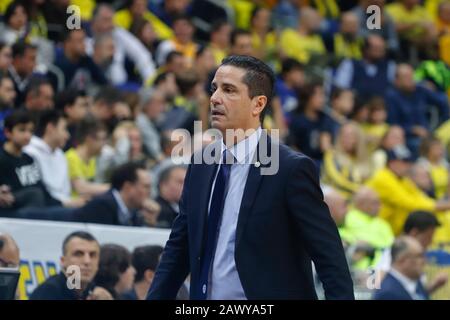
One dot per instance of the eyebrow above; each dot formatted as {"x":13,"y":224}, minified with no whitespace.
{"x":224,"y":84}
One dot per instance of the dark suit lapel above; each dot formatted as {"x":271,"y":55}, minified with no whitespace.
{"x":251,"y":187}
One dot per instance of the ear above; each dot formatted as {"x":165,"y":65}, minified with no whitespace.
{"x":148,"y":275}
{"x":260,"y":104}
{"x":62,"y":261}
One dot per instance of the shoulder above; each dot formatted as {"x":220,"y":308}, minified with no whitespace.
{"x":49,"y":289}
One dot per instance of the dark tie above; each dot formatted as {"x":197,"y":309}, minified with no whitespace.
{"x":214,"y":217}
{"x":421,"y":292}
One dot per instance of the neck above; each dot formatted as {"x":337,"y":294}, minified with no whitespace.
{"x":83,"y":152}
{"x":311,"y":114}
{"x":71,"y":57}
{"x":141,"y":289}
{"x":48,"y":141}
{"x":13,"y":149}
{"x":240,"y":135}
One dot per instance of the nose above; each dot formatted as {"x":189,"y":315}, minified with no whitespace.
{"x":215,"y":98}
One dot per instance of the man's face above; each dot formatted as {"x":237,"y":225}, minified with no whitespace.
{"x":21,"y":134}
{"x":376,"y":49}
{"x":243,"y":45}
{"x":76,"y":43}
{"x":222,"y":36}
{"x":97,"y":141}
{"x":45,"y":99}
{"x":84,"y":254}
{"x":231,"y":105}
{"x":140,"y":190}
{"x":183,"y":30}
{"x":60,"y":133}
{"x":5,"y":57}
{"x":414,"y":261}
{"x":104,"y":22}
{"x":78,"y":110}
{"x":7,"y":92}
{"x":25,"y":65}
{"x":425,"y":237}
{"x":405,"y":78}
{"x":138,"y":7}
{"x":174,"y":185}
{"x":400,"y":167}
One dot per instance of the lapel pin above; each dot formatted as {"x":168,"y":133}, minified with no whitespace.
{"x":257,"y":164}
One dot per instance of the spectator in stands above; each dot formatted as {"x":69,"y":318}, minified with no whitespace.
{"x":80,"y":250}
{"x":348,"y":165}
{"x":45,"y":148}
{"x":115,"y":271}
{"x":167,"y":10}
{"x":144,"y":31}
{"x":338,"y":210}
{"x":433,"y":159}
{"x":388,"y":30}
{"x":420,"y":176}
{"x":263,"y":38}
{"x":91,"y":137}
{"x":5,"y":57}
{"x":145,"y":260}
{"x":106,"y":103}
{"x":403,"y":279}
{"x":337,"y":113}
{"x":304,"y":43}
{"x":288,"y":83}
{"x":347,"y":43}
{"x":182,"y":41}
{"x":365,"y":227}
{"x":421,"y":226}
{"x":22,"y":67}
{"x":39,"y":95}
{"x":170,"y":186}
{"x":20,"y":173}
{"x":414,"y":26}
{"x":376,"y":127}
{"x":130,"y":187}
{"x":407,"y":105}
{"x":15,"y":23}
{"x":126,"y":46}
{"x":395,"y":136}
{"x":7,"y":96}
{"x":286,"y":14}
{"x":9,"y":252}
{"x":103,"y":54}
{"x":241,"y":43}
{"x":80,"y":71}
{"x":220,"y":39}
{"x":136,"y":10}
{"x":372,"y":74}
{"x":398,"y":194}
{"x":307,"y":121}
{"x":75,"y":105}
{"x":153,"y":104}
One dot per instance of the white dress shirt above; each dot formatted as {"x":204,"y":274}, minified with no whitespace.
{"x":224,"y":278}
{"x":53,"y":167}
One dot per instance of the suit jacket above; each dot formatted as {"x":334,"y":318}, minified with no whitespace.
{"x":392,"y":289}
{"x":103,"y":209}
{"x":283,"y":223}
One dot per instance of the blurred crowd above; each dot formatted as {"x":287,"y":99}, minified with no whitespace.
{"x":89,"y":101}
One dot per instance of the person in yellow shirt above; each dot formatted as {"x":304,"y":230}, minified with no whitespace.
{"x":137,"y":9}
{"x":399,"y":195}
{"x":263,"y":39}
{"x":433,"y":159}
{"x":220,"y":40}
{"x":376,"y":127}
{"x":347,"y":43}
{"x":302,"y":44}
{"x":91,"y":136}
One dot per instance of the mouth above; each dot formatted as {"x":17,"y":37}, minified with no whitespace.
{"x":217,"y":113}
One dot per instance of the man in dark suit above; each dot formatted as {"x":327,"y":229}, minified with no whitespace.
{"x":403,"y":281}
{"x":130,"y":187}
{"x":250,"y":224}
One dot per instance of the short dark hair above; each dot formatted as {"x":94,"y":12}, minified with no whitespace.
{"x":11,"y":8}
{"x":20,"y":47}
{"x":35,"y":84}
{"x":145,"y":258}
{"x":125,"y":173}
{"x":216,"y":26}
{"x":236,"y":33}
{"x":426,"y":145}
{"x":420,"y":220}
{"x":114,"y":260}
{"x":172,"y":55}
{"x":164,"y":176}
{"x":109,"y":95}
{"x":68,"y":98}
{"x":87,"y":127}
{"x":77,"y":234}
{"x":182,"y":16}
{"x":306,"y":93}
{"x":17,"y":117}
{"x":259,"y":77}
{"x":46,"y":117}
{"x":290,"y":64}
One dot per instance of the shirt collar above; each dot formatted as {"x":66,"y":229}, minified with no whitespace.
{"x":408,"y":284}
{"x":40,"y":144}
{"x":122,"y":207}
{"x":243,"y":151}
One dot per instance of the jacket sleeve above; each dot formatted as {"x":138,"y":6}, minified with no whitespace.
{"x":318,"y":230}
{"x":174,"y":265}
